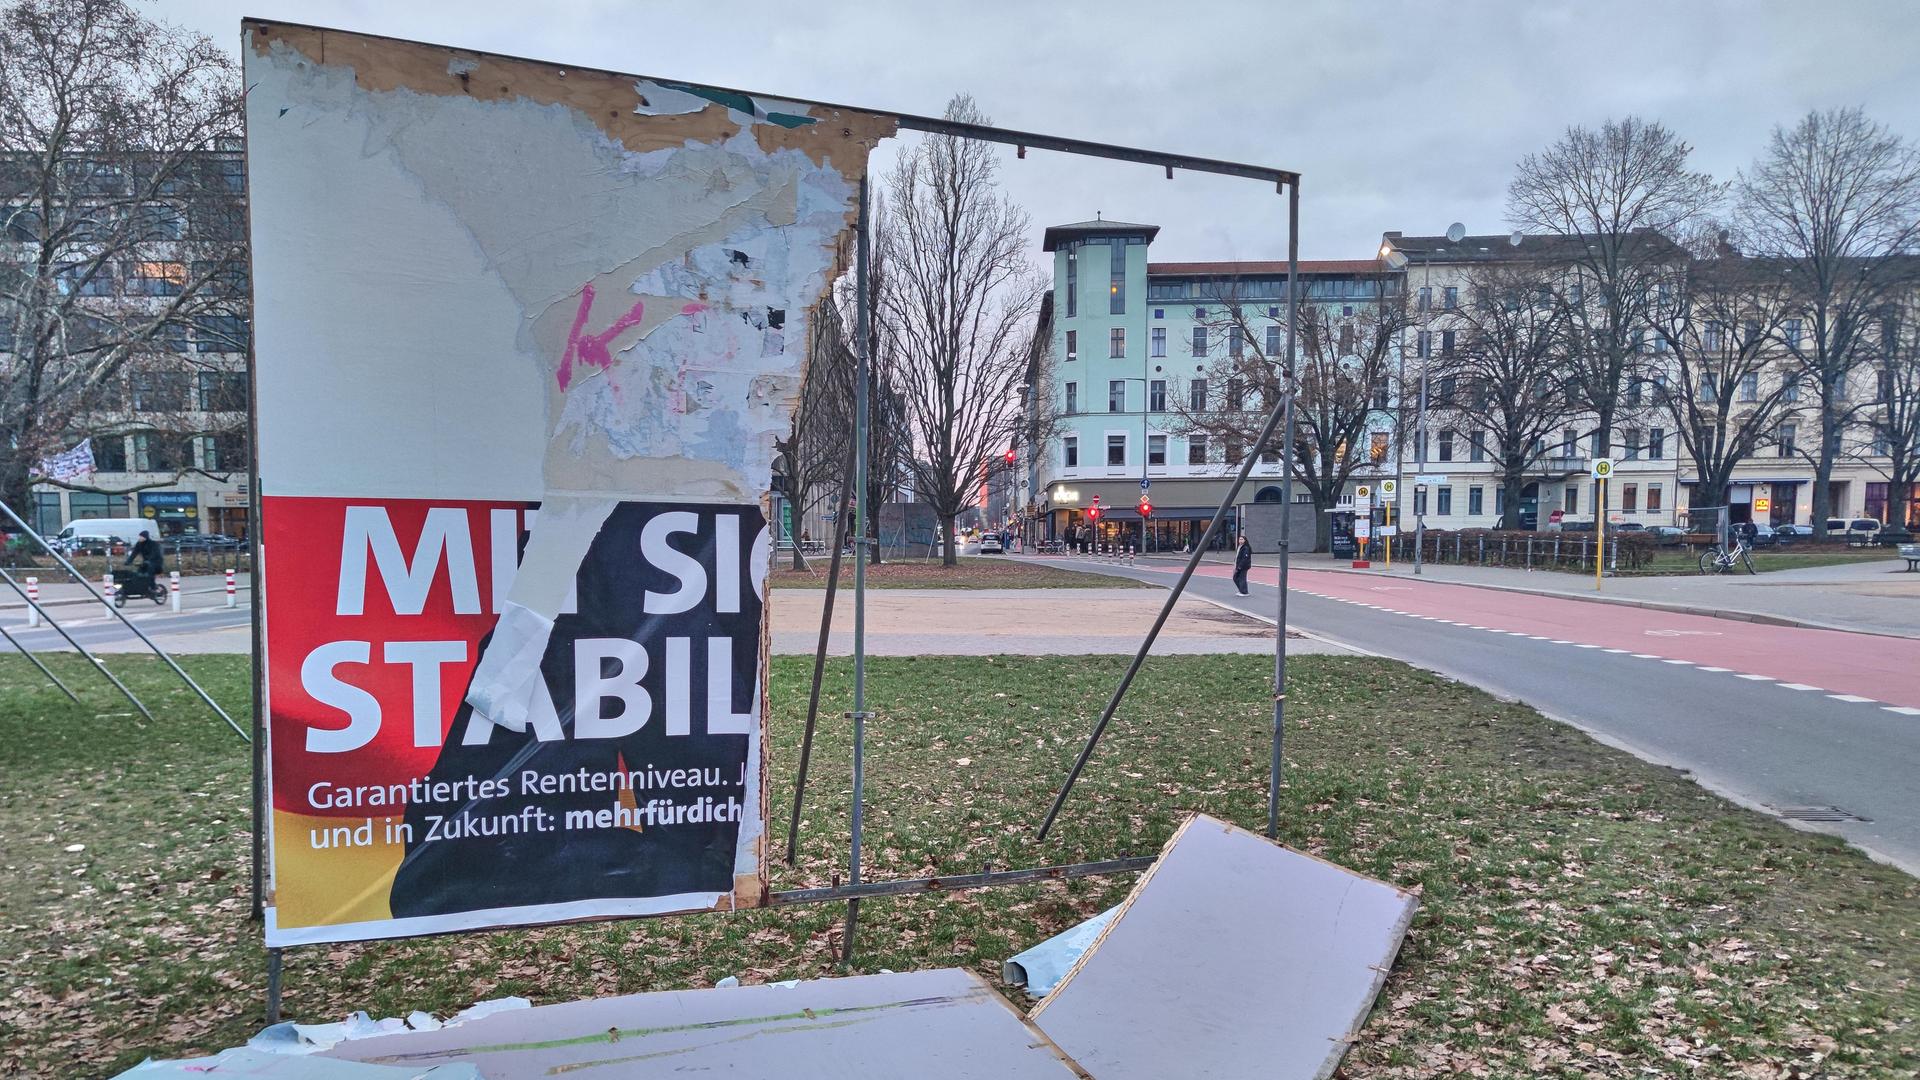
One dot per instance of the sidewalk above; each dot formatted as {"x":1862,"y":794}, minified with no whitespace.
{"x":57,"y":588}
{"x":1876,"y":597}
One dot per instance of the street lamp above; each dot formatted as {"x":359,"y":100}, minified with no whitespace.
{"x":1397,"y":259}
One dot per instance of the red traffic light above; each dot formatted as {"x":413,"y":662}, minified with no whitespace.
{"x":1093,"y":512}
{"x":1146,"y":507}
{"x":1012,"y":457}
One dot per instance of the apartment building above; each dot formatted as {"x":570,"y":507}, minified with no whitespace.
{"x":1132,"y":356}
{"x":168,"y":433}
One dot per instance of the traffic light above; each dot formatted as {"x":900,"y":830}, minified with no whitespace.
{"x":1146,"y":508}
{"x":1011,"y":457}
{"x":1093,"y":512}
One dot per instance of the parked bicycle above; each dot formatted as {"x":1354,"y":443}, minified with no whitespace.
{"x":1719,"y":560}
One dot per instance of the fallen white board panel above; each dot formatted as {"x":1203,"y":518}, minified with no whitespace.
{"x":935,"y":1024}
{"x":1232,"y":957}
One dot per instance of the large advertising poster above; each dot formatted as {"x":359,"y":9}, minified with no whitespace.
{"x":521,"y":358}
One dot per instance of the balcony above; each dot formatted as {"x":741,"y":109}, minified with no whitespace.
{"x":1560,"y":465}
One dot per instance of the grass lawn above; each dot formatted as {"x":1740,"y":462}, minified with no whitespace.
{"x":1672,"y":561}
{"x":973,"y":572}
{"x":1584,"y":914}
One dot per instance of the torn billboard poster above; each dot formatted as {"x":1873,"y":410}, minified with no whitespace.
{"x":523,"y":350}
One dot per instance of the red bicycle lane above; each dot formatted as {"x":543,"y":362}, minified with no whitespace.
{"x":1869,"y":668}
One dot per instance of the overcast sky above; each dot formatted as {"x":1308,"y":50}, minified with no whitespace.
{"x":1398,"y":116}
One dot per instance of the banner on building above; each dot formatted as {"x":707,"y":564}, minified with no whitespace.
{"x":70,"y":465}
{"x":522,"y":338}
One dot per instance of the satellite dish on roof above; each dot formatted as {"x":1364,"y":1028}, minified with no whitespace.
{"x":1516,"y":238}
{"x":1456,"y":232}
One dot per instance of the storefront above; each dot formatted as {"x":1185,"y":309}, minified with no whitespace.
{"x":1182,"y":508}
{"x":1878,"y":504}
{"x":174,"y":512}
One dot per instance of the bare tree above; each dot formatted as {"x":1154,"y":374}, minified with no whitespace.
{"x":1893,"y":421}
{"x":1834,"y":197}
{"x":118,"y":230}
{"x":1347,"y":375}
{"x":953,"y":307}
{"x":1505,"y":383}
{"x":1720,"y":323}
{"x":813,"y":456}
{"x":1614,"y":195}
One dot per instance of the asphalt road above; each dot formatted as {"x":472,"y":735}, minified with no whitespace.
{"x":1775,"y":717}
{"x":98,"y":630}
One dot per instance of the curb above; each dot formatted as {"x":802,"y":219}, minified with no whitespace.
{"x":21,"y":605}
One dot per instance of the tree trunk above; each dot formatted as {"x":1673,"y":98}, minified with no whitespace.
{"x":796,"y":499}
{"x":1823,"y":468}
{"x":949,"y":554}
{"x":1899,"y":490}
{"x":15,"y":489}
{"x":1603,"y":436}
{"x":1514,"y":481}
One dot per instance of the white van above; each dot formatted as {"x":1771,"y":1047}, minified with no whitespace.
{"x":125,"y":530}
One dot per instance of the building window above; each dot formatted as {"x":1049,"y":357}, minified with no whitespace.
{"x":1073,"y":344}
{"x":156,"y":278}
{"x":1792,"y":332}
{"x":1073,"y":398}
{"x":159,"y":391}
{"x":1157,"y":395}
{"x":226,"y":452}
{"x":1236,"y":341}
{"x":1476,"y":500}
{"x":1117,"y":395}
{"x":1630,"y":498}
{"x":1711,"y":335}
{"x":1233,"y":450}
{"x":1446,"y":444}
{"x":1750,"y":386}
{"x":1199,"y":341}
{"x":223,"y":391}
{"x":1570,"y":499}
{"x":220,"y":333}
{"x":1196,"y":449}
{"x":1783,"y":440}
{"x":1159,"y":313}
{"x":1156,"y":449}
{"x":1071,"y":446}
{"x":1425,"y":301}
{"x":1569,"y":443}
{"x":1197,"y":395}
{"x":87,"y":505}
{"x":1199,"y":313}
{"x":1159,"y":341}
{"x":157,"y":452}
{"x":1446,"y":342}
{"x":1073,"y":282}
{"x":109,"y":454}
{"x":1451,"y":299}
{"x":1632,"y":438}
{"x":1273,"y":341}
{"x":1116,"y":450}
{"x":1346,"y":339}
{"x":1270,"y":452}
{"x":1423,"y":343}
{"x":1236,"y":396}
{"x":1377,"y":447}
{"x":1443,"y":501}
{"x":46,"y":512}
{"x":1476,"y":446}
{"x":1117,"y":290}
{"x":1657,"y":443}
{"x":1653,"y":498}
{"x":1117,"y":343}
{"x":1790,"y":386}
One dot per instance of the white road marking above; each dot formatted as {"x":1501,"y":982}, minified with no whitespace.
{"x":1903,"y":710}
{"x":1617,"y":651}
{"x":1755,"y":678}
{"x":1715,"y":669}
{"x":1645,"y":656}
{"x":1856,"y":698}
{"x":1795,"y":686}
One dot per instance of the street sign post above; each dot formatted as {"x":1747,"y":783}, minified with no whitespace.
{"x":1602,"y":469}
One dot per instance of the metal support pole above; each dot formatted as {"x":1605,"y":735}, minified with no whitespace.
{"x":1280,"y":409}
{"x":860,"y":421}
{"x":820,"y":660}
{"x":273,"y":985}
{"x":62,"y":631}
{"x":157,"y":650}
{"x":1286,"y":514}
{"x":35,"y":661}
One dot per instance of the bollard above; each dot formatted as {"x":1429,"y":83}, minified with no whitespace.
{"x":33,"y":602}
{"x":106,"y":588}
{"x":173,"y":590}
{"x":230,"y":599}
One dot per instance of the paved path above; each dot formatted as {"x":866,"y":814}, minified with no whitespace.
{"x":1772,"y":716}
{"x":1876,"y":596}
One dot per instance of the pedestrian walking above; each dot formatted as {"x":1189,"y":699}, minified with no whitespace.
{"x":1242,"y":562}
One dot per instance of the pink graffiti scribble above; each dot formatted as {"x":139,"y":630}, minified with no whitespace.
{"x":692,"y":307}
{"x":592,"y":349}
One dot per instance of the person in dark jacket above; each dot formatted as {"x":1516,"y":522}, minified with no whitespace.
{"x":147,"y":560}
{"x":1242,"y":562}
